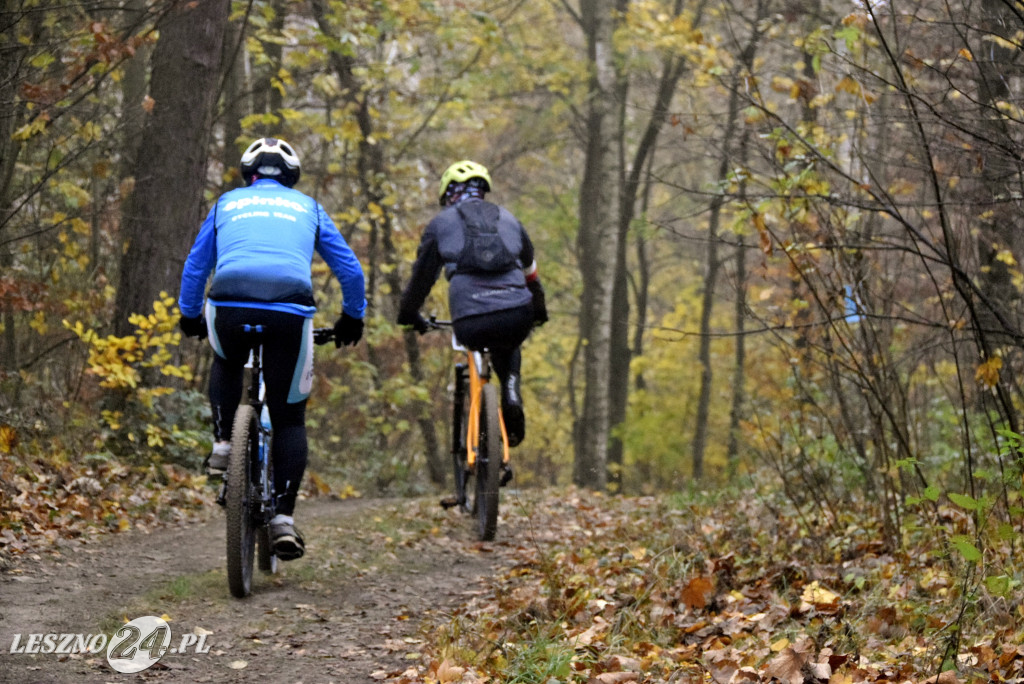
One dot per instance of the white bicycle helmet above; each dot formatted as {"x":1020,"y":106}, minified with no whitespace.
{"x":273,"y":158}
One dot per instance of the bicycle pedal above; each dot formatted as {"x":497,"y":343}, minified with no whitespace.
{"x":506,"y":475}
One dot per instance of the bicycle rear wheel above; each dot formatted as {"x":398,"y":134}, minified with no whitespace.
{"x":265,"y":557}
{"x":241,"y":532}
{"x":488,"y":466}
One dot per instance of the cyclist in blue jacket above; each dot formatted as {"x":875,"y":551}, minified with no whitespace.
{"x":494,"y":290}
{"x":259,"y":241}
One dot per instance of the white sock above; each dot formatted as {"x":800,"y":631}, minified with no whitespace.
{"x":281,"y":518}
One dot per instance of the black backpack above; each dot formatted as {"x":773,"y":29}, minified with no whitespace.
{"x":483,"y":251}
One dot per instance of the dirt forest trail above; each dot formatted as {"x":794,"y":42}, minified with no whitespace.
{"x":350,"y":611}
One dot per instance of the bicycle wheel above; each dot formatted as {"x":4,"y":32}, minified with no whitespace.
{"x":460,"y":417}
{"x":241,"y":533}
{"x":266,"y":560}
{"x":488,"y":466}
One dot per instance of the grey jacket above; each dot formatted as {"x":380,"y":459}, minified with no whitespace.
{"x":489,"y":276}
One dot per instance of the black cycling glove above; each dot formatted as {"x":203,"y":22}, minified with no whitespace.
{"x":348,"y":330}
{"x":540,"y":307}
{"x":414,"y":320}
{"x":193,"y":326}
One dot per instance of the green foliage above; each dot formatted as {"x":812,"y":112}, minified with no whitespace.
{"x":146,"y":421}
{"x":537,"y":659}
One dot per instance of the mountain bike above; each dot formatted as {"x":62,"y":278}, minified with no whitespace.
{"x":479,"y":439}
{"x":247,"y":491}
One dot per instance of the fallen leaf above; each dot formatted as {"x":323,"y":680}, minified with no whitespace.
{"x":615,"y":678}
{"x":788,"y":666}
{"x":698,"y":592}
{"x":586,"y":638}
{"x":446,"y":672}
{"x":818,"y":595}
{"x":238,"y":665}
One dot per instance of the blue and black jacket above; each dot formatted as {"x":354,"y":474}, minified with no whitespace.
{"x":259,"y":242}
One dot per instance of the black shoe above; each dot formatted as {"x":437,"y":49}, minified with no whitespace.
{"x":512,"y":411}
{"x":288,"y":544}
{"x":217,"y":462}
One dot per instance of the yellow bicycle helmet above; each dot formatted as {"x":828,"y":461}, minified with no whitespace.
{"x":460,"y":172}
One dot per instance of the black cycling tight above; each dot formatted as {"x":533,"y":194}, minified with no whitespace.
{"x":284,"y":343}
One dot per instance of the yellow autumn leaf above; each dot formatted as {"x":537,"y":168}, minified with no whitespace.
{"x":1006,"y":257}
{"x":848,"y":85}
{"x":8,"y":439}
{"x":818,"y":595}
{"x":987,"y":373}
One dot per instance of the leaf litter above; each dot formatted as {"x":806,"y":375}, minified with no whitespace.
{"x":616,"y":589}
{"x":589,"y":589}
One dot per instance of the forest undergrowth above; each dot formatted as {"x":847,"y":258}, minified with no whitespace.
{"x":724,"y":588}
{"x":728,"y":587}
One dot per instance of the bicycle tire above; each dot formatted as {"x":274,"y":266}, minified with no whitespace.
{"x":266,"y":559}
{"x":241,"y":531}
{"x":460,"y":418}
{"x":488,"y":466}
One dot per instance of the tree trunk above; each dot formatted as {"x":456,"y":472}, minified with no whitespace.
{"x":739,"y":395}
{"x":170,"y":173}
{"x":234,"y":104}
{"x":740,"y":73}
{"x":133,"y":91}
{"x":598,"y":245}
{"x":12,"y":115}
{"x":621,"y":354}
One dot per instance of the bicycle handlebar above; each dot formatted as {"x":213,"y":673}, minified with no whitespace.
{"x":323,"y":335}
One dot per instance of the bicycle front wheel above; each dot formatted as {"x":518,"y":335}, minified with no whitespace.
{"x":460,"y":419}
{"x":241,"y":532}
{"x":488,"y":466}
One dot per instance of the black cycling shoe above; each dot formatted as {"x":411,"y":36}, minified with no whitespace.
{"x":288,"y":543}
{"x":515,"y":424}
{"x":512,"y":411}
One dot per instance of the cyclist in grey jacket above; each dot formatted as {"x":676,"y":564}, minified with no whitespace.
{"x":260,"y":240}
{"x":494,"y":290}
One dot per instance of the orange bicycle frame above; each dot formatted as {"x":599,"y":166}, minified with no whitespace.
{"x":477,"y":379}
